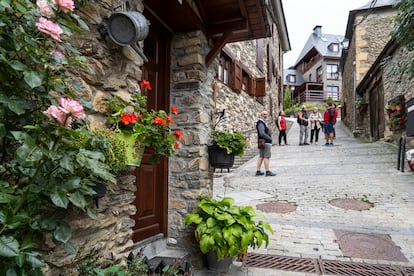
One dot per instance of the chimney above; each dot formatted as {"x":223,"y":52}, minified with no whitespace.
{"x":317,"y":30}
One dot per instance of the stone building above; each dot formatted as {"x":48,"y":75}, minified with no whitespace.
{"x":315,"y":75}
{"x":181,"y":57}
{"x":368,"y":31}
{"x":383,"y":86}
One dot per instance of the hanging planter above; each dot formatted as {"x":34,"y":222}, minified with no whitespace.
{"x":134,"y":149}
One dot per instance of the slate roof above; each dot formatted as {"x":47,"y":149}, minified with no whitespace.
{"x":378,"y":3}
{"x":321,"y":43}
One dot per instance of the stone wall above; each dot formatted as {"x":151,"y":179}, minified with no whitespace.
{"x":191,"y":92}
{"x":106,"y":238}
{"x":394,"y":86}
{"x":371,"y":33}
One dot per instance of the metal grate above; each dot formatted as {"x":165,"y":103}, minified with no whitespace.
{"x":354,"y":269}
{"x":282,"y":263}
{"x":325,"y":267}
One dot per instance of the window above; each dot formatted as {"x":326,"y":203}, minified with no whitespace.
{"x":334,"y":47}
{"x":292,"y":78}
{"x":246,"y":82}
{"x":332,"y":71}
{"x":224,"y":69}
{"x":332,"y":91}
{"x":319,"y":72}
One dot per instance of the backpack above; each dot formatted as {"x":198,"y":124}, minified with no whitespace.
{"x":297,"y":119}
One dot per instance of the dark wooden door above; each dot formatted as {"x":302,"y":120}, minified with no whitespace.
{"x":377,"y":118}
{"x":152,"y":180}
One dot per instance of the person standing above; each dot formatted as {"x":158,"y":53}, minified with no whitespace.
{"x":264,"y":154}
{"x":303,"y":121}
{"x":329,"y":120}
{"x":315,"y":119}
{"x":282,"y":126}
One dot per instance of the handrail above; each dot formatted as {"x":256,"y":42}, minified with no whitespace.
{"x":401,"y":150}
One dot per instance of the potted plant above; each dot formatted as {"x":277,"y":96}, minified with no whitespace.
{"x":227,"y":230}
{"x":361,"y":105}
{"x":225,"y":146}
{"x":141,"y":128}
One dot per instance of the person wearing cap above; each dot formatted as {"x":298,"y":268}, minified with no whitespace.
{"x":303,"y":120}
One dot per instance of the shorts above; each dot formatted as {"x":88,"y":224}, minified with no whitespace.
{"x":328,"y":127}
{"x":266,"y":152}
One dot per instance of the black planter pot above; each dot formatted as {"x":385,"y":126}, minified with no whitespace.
{"x":218,"y":266}
{"x":219,"y":158}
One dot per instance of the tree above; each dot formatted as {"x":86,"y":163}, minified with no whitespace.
{"x":403,"y":32}
{"x":287,"y":99}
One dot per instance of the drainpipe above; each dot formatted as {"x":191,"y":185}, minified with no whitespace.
{"x":354,"y":124}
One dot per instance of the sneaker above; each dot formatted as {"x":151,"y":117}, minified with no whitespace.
{"x":327,"y":144}
{"x":269,"y":173}
{"x":306,"y":144}
{"x":300,"y":144}
{"x":259,"y":173}
{"x":316,"y":143}
{"x":331,"y":145}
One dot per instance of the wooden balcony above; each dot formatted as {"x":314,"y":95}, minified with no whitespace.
{"x":316,"y":96}
{"x":312,"y":92}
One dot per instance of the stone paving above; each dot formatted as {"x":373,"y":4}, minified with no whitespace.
{"x":310,"y":177}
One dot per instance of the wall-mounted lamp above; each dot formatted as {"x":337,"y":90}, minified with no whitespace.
{"x":345,"y":44}
{"x":126,"y":28}
{"x":220,"y":115}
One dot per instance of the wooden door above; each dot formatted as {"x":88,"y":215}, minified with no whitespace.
{"x":152,"y":180}
{"x":376,"y":100}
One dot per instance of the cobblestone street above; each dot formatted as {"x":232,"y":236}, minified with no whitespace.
{"x":323,"y":185}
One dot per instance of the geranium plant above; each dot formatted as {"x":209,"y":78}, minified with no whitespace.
{"x":149,"y":128}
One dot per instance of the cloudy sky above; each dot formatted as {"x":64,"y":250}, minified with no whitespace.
{"x":303,"y":15}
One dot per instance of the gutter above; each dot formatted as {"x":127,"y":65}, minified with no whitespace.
{"x":278,"y":17}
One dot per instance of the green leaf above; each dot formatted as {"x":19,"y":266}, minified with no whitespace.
{"x":193,"y":218}
{"x":9,"y":247}
{"x":69,"y":248}
{"x":63,"y":232}
{"x":32,"y":79}
{"x":17,"y":65}
{"x":6,"y":198}
{"x":78,"y":200}
{"x":33,"y":259}
{"x":60,"y":200}
{"x":17,"y":106}
{"x":81,"y":23}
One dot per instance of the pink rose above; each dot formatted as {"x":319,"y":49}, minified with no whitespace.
{"x":44,"y":8}
{"x":59,"y":115}
{"x":58,"y":53}
{"x":72,"y":107}
{"x":49,"y":27}
{"x":65,"y":5}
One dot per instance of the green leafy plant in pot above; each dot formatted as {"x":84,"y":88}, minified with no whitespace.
{"x":227,"y":229}
{"x":234,"y":143}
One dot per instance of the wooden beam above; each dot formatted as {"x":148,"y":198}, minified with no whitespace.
{"x":221,"y":28}
{"x":217,"y":47}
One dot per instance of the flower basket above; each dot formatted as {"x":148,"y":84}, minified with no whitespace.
{"x":134,"y":149}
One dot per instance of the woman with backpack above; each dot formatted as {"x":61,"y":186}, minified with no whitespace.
{"x":282,"y":126}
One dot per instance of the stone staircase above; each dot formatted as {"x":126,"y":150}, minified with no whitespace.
{"x":238,"y":161}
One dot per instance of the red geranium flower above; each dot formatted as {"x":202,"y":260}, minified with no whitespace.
{"x":159,"y":121}
{"x":176,"y":145}
{"x":144,"y":84}
{"x":178,"y":134}
{"x":174,"y":110}
{"x":171,"y":121}
{"x":127,"y":118}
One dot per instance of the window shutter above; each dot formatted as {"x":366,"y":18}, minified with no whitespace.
{"x":269,"y":63}
{"x":259,"y":53}
{"x":260,"y":87}
{"x":238,"y":76}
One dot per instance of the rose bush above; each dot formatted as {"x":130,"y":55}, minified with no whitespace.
{"x":49,"y":159}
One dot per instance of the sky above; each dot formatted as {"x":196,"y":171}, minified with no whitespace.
{"x":303,"y":15}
